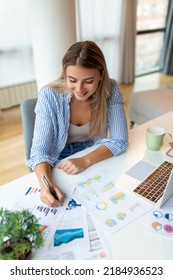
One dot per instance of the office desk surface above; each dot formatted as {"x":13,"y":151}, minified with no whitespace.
{"x":133,"y":241}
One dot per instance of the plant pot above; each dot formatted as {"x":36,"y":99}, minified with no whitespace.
{"x":15,"y":251}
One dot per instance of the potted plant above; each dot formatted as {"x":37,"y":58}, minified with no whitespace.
{"x":19,"y":234}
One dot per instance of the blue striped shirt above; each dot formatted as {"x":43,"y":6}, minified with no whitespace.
{"x":52,"y":125}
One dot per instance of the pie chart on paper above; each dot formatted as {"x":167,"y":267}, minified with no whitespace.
{"x":110,"y":222}
{"x":101,"y":205}
{"x":121,"y":216}
{"x":168,"y":228}
{"x":157,"y":214}
{"x":156,"y":226}
{"x":168,"y":216}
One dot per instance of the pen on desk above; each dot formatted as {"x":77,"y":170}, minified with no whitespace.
{"x":46,"y":183}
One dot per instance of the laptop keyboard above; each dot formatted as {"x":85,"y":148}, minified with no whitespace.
{"x":154,"y":185}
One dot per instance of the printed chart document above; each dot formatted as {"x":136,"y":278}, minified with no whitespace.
{"x":72,"y":231}
{"x":49,"y":218}
{"x":76,"y":237}
{"x":161,"y":220}
{"x":111,"y":207}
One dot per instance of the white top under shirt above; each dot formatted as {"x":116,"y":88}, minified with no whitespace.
{"x":78,"y":133}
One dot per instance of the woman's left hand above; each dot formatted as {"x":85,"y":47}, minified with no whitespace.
{"x":74,"y":165}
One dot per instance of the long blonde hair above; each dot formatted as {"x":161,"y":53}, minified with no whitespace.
{"x":87,"y":54}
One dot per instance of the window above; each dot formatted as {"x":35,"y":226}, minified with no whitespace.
{"x":151,"y":23}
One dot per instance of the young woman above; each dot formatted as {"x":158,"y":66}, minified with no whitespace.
{"x":82,"y":108}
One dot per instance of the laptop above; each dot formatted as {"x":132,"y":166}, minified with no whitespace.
{"x":156,"y":187}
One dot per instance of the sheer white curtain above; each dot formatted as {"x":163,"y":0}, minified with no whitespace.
{"x":112,"y":25}
{"x":14,"y":28}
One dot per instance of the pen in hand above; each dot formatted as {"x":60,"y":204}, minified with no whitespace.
{"x":47,"y":185}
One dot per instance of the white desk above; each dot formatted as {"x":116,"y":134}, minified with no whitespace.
{"x":133,"y":241}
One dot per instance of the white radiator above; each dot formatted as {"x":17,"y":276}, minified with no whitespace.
{"x":14,"y":95}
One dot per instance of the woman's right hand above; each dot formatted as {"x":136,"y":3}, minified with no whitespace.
{"x":53,"y":198}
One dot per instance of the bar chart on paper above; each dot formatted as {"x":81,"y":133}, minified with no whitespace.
{"x":33,"y":190}
{"x":48,"y":217}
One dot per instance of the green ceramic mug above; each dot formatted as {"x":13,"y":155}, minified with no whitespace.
{"x":154,"y":137}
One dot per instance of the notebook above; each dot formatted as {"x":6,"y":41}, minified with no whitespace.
{"x":156,"y":188}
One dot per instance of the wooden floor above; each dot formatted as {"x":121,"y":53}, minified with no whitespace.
{"x":12,"y":152}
